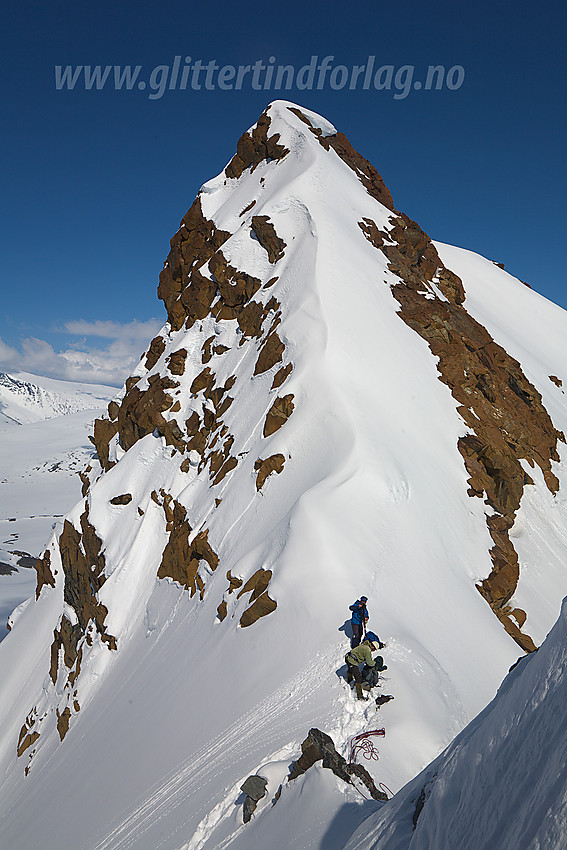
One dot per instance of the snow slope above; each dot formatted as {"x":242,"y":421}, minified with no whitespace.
{"x":502,"y":781}
{"x":372,"y":499}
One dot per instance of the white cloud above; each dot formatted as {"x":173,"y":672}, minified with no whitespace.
{"x":143,"y":331}
{"x":8,"y":356}
{"x":82,"y":361}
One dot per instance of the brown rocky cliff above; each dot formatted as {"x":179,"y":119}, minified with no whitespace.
{"x":83,"y":562}
{"x":501,"y":407}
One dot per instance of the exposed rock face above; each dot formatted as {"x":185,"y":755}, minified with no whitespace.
{"x":194,"y":243}
{"x":85,"y":480}
{"x":234,"y":583}
{"x":260,"y":608}
{"x":281,"y":376}
{"x":319,"y":746}
{"x":44,"y":574}
{"x":278,"y":414}
{"x":26,"y":738}
{"x":255,"y":789}
{"x":497,"y":402}
{"x":261,"y":604}
{"x":123,"y":499}
{"x":104,"y":431}
{"x":270,"y":353}
{"x":156,"y":349}
{"x":83,"y":563}
{"x":274,"y":463}
{"x":187,"y":294}
{"x":267,"y":237}
{"x":182,"y":555}
{"x":63,"y":720}
{"x":65,"y":638}
{"x":176,"y":361}
{"x":141,"y":412}
{"x":254,"y":148}
{"x":228,"y":294}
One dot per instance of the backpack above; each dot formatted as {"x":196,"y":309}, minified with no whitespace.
{"x":372,"y":674}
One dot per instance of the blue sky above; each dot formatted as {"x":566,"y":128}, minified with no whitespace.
{"x":94,"y":183}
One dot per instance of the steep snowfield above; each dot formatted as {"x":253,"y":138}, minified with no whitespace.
{"x":502,"y":782}
{"x":372,"y":499}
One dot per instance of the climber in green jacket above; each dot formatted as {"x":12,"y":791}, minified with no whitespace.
{"x":363,"y":654}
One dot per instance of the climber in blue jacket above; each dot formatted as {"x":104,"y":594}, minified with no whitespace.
{"x":358,"y":620}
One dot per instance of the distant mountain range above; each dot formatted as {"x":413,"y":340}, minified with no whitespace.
{"x":26,"y":398}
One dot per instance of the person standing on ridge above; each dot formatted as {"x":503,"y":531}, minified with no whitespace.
{"x":358,"y":620}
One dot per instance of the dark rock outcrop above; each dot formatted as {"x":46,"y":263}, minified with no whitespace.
{"x":122,"y":499}
{"x":83,"y":565}
{"x":44,"y":574}
{"x":181,"y":557}
{"x":263,"y":606}
{"x":196,"y":282}
{"x":281,"y":376}
{"x":255,"y":789}
{"x":65,"y":638}
{"x":63,"y":721}
{"x":156,"y":349}
{"x":278,"y":414}
{"x":104,"y":431}
{"x":187,"y":296}
{"x":26,"y":738}
{"x":255,"y":147}
{"x":141,"y":412}
{"x":319,"y":746}
{"x":270,"y":353}
{"x":265,"y":467}
{"x":266,"y":235}
{"x":176,"y":361}
{"x":261,"y":603}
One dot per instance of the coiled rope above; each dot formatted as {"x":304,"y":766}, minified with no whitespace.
{"x":362,"y":744}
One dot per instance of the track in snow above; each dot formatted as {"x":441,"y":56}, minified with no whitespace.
{"x":268,"y":725}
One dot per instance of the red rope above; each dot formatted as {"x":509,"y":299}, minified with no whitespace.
{"x":362,"y":743}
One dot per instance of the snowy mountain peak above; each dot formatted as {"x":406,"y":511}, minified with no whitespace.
{"x":336,"y":405}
